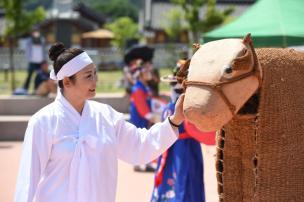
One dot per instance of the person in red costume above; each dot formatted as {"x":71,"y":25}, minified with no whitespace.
{"x":141,"y":114}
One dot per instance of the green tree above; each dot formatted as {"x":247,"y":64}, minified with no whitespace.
{"x":176,"y":24}
{"x":212,"y":17}
{"x":124,"y":28}
{"x":18,"y":22}
{"x":117,"y":8}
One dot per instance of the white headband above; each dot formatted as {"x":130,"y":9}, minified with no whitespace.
{"x":71,"y":67}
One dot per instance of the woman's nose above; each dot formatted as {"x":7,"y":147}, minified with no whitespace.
{"x":94,"y":77}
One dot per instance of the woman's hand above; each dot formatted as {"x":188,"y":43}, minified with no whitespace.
{"x":178,"y":117}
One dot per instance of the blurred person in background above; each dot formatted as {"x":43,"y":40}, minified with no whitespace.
{"x":35,"y":52}
{"x":141,"y":114}
{"x":153,"y":83}
{"x":43,"y":84}
{"x":128,"y":71}
{"x":136,"y":56}
{"x":180,"y":171}
{"x":158,"y":102}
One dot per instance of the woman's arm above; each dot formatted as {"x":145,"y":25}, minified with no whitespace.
{"x":140,"y":146}
{"x":35,"y":152}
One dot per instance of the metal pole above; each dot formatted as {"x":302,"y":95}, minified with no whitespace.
{"x":11,"y":60}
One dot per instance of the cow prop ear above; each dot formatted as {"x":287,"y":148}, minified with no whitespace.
{"x":247,"y":39}
{"x":196,"y":46}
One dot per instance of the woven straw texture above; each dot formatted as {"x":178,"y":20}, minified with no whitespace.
{"x":237,"y":143}
{"x":263,"y":154}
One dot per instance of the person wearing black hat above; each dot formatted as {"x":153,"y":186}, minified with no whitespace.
{"x":136,"y":56}
{"x":141,"y":114}
{"x":128,"y":74}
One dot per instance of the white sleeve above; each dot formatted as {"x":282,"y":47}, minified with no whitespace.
{"x":140,"y":146}
{"x":35,"y":152}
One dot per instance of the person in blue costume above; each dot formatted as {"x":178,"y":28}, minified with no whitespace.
{"x":179,"y":175}
{"x":140,"y":99}
{"x":141,"y":114}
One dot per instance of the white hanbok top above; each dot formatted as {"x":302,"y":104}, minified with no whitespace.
{"x":71,"y":157}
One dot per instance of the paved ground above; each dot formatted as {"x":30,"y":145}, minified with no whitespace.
{"x":132,"y":186}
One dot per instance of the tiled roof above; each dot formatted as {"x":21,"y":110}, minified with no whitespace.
{"x":89,"y":13}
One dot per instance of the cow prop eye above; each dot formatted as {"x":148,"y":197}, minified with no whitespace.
{"x":228,"y":70}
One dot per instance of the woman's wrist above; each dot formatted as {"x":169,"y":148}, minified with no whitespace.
{"x":172,"y":123}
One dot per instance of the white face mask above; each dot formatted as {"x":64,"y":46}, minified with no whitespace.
{"x":36,"y":34}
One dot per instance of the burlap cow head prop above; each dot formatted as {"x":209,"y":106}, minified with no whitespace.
{"x":222,"y":75}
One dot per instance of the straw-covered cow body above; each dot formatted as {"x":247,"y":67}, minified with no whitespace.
{"x":260,"y":156}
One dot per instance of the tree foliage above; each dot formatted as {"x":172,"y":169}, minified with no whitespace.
{"x":124,"y":28}
{"x":117,"y":8}
{"x":211,"y":19}
{"x":18,"y":20}
{"x":175,"y":24}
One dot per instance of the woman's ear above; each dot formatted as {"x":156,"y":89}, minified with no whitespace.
{"x":66,"y":82}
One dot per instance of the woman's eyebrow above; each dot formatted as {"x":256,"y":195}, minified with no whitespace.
{"x":89,"y":71}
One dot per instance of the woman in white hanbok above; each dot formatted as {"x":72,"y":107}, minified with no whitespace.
{"x":71,"y":146}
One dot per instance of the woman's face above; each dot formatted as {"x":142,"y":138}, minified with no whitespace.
{"x":84,"y":86}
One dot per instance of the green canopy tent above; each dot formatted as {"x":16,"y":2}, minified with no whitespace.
{"x":272,"y":23}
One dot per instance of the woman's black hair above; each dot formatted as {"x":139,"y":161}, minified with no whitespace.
{"x":60,"y":56}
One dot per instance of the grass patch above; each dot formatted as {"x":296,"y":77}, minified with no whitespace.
{"x":108,"y":81}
